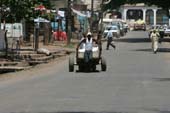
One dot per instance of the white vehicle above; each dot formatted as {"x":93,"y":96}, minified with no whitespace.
{"x":106,"y":22}
{"x":167,"y":31}
{"x":114,"y":29}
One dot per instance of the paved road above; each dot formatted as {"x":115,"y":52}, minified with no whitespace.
{"x":137,"y":81}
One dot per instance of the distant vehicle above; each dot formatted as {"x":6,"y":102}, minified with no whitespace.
{"x":125,"y":27}
{"x":161,"y":30}
{"x":140,"y":25}
{"x":167,"y":31}
{"x":114,"y":29}
{"x":120,"y":25}
{"x":105,"y":22}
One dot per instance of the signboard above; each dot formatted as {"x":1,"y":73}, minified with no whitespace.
{"x":14,"y":30}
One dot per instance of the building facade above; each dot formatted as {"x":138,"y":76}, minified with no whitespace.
{"x":152,"y":15}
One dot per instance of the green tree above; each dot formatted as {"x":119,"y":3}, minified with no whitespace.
{"x":20,"y":9}
{"x":114,"y":4}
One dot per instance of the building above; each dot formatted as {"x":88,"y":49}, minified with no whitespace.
{"x":58,"y":3}
{"x":96,"y":4}
{"x":152,"y":15}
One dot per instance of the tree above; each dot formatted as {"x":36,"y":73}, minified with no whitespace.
{"x":20,"y":9}
{"x":114,"y":4}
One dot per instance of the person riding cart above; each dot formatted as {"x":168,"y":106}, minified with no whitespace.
{"x":88,"y":55}
{"x":88,"y":41}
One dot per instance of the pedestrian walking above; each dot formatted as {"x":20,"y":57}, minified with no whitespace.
{"x":155,"y":38}
{"x":109,"y":38}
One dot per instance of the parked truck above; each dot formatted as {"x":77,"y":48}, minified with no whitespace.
{"x":140,"y":25}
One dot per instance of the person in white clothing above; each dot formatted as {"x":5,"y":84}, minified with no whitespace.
{"x":88,"y":41}
{"x":154,"y":38}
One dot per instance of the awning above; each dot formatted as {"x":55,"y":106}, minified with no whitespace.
{"x":39,"y":19}
{"x":79,"y":13}
{"x":61,"y":13}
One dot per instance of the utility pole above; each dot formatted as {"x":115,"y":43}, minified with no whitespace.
{"x":0,"y":13}
{"x":37,"y":35}
{"x":92,"y":13}
{"x":68,"y":21}
{"x":101,"y":15}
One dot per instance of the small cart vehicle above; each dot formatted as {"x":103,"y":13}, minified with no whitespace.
{"x":87,"y":66}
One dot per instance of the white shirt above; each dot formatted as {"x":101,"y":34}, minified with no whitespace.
{"x":109,"y":34}
{"x":89,"y":44}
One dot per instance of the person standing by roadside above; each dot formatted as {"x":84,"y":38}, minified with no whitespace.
{"x":154,"y":38}
{"x":109,"y":38}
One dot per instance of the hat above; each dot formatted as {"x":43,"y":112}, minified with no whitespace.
{"x":89,"y":34}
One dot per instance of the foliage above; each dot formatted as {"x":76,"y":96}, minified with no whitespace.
{"x":114,"y":4}
{"x":20,"y":9}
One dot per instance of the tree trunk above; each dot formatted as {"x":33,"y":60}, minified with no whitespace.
{"x":6,"y":44}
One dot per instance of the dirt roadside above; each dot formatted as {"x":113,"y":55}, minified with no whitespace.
{"x":52,"y":64}
{"x":33,"y":71}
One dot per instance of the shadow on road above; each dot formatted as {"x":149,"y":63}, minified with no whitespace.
{"x":139,"y":40}
{"x":161,"y":50}
{"x":166,"y":39}
{"x":26,"y":49}
{"x":164,"y":50}
{"x":133,"y":40}
{"x":72,"y":112}
{"x":156,"y":110}
{"x":145,"y":50}
{"x":162,"y":79}
{"x":96,"y":71}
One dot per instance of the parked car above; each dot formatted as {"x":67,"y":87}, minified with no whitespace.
{"x":119,"y":23}
{"x":105,"y":22}
{"x":161,"y":29}
{"x":167,"y":31}
{"x":114,"y":29}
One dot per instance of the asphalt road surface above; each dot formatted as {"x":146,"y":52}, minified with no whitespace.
{"x":136,"y":81}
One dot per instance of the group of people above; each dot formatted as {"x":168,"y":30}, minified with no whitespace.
{"x":60,"y":35}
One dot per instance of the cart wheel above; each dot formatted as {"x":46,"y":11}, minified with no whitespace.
{"x":71,"y":64}
{"x":103,"y":64}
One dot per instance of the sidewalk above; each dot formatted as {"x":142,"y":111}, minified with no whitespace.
{"x":27,"y":57}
